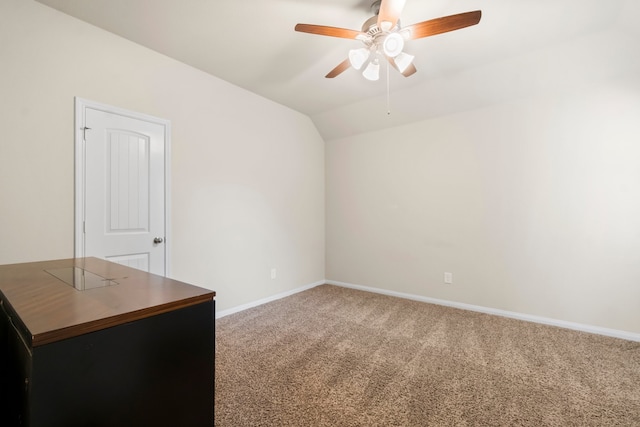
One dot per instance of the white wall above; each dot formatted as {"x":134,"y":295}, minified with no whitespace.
{"x":247,"y":174}
{"x":533,"y":206}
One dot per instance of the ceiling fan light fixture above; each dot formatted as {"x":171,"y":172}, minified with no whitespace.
{"x":393,"y":45}
{"x":357,"y":57}
{"x":403,"y":60}
{"x":372,"y":72}
{"x":383,"y":34}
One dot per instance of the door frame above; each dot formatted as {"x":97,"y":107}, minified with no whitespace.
{"x":81,"y":105}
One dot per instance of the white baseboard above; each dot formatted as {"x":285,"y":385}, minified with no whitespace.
{"x":631,"y":336}
{"x":275,"y":297}
{"x":511,"y":314}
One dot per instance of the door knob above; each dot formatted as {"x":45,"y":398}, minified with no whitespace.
{"x":157,"y":240}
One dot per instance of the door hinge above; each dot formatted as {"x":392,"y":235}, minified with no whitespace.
{"x":84,"y":228}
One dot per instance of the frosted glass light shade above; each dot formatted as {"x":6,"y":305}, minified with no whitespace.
{"x":393,"y":45}
{"x":403,"y":60}
{"x":357,"y":57}
{"x":385,"y":25}
{"x":372,"y":72}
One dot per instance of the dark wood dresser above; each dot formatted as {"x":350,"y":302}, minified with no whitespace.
{"x":86,"y":342}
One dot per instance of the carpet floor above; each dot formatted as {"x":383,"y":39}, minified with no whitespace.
{"x":333,"y":356}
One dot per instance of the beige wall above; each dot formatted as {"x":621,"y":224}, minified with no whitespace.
{"x":534,"y":206}
{"x":247,"y":174}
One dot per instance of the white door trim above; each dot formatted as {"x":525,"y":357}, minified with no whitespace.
{"x":80,"y":107}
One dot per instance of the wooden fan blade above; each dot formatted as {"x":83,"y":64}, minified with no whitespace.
{"x":328,"y":31}
{"x":389,"y":13}
{"x":410,"y":70}
{"x":442,"y":25}
{"x":339,"y":69}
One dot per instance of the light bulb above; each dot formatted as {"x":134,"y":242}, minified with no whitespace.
{"x":393,"y":45}
{"x":357,"y":57}
{"x":372,"y":72}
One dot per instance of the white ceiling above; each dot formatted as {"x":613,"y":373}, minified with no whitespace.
{"x":516,"y":49}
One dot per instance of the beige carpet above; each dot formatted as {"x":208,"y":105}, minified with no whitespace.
{"x":332,"y":356}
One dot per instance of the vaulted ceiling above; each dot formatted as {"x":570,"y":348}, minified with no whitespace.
{"x":519,"y":48}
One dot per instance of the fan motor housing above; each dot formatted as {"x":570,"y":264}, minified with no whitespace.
{"x":371,"y":28}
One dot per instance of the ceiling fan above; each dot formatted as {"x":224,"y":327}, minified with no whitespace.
{"x":384,"y":37}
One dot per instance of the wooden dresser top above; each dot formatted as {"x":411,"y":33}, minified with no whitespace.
{"x":49,"y":308}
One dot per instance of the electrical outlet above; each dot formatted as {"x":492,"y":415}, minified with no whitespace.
{"x":448,"y":278}
{"x":274,"y":273}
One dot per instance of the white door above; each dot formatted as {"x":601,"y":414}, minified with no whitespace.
{"x":124,"y":188}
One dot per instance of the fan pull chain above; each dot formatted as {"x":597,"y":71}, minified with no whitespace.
{"x":388,"y":96}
